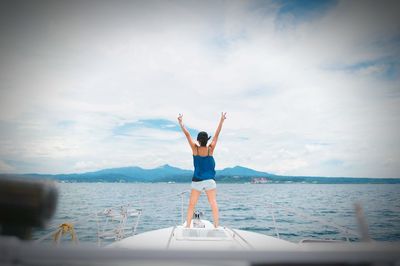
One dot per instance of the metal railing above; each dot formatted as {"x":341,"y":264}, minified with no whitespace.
{"x":112,"y":223}
{"x":118,"y":233}
{"x":273,"y":207}
{"x":342,"y":229}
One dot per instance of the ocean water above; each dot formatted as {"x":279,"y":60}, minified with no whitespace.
{"x":241,"y":206}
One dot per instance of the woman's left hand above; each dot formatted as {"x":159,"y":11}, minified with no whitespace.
{"x":180,"y":117}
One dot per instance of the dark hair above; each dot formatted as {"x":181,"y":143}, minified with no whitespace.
{"x":202,"y":138}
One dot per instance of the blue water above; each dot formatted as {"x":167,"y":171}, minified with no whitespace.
{"x":241,"y":206}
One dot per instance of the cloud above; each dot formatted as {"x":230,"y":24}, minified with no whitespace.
{"x":6,"y":168}
{"x":291,"y":12}
{"x":161,"y":124}
{"x":385,"y":68}
{"x":80,"y":91}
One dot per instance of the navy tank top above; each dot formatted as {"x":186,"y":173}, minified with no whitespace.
{"x":204,"y":167}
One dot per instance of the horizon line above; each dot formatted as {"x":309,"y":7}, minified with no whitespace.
{"x":277,"y":175}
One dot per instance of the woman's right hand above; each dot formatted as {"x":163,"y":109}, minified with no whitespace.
{"x":223,"y":116}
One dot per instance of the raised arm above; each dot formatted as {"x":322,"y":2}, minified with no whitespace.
{"x":186,"y":132}
{"x":215,"y":138}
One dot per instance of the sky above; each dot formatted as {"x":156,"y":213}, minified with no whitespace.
{"x":309,"y":87}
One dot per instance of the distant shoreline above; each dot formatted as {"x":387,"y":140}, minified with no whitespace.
{"x":246,"y":183}
{"x":167,"y":173}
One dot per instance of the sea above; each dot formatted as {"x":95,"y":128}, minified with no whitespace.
{"x":291,"y":211}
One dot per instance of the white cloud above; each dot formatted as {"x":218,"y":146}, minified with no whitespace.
{"x":156,"y":61}
{"x":6,"y":168}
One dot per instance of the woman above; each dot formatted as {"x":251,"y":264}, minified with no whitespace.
{"x":204,"y":169}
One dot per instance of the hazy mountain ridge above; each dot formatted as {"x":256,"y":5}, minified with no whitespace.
{"x":167,"y":173}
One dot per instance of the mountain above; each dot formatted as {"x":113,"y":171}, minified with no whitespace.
{"x":127,"y":174}
{"x":242,"y":171}
{"x":162,"y":173}
{"x":166,"y":173}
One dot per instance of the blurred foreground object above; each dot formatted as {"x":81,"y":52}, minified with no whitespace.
{"x":25,"y":203}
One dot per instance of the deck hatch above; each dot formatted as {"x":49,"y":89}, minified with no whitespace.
{"x":211,"y":234}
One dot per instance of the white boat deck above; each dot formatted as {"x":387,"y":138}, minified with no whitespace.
{"x":203,"y":238}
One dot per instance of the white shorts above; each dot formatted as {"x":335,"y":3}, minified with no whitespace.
{"x":205,"y":184}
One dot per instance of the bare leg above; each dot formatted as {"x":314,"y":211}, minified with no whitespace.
{"x":194,"y":196}
{"x":212,"y":199}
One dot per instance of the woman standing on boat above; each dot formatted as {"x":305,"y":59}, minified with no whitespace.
{"x":204,"y":169}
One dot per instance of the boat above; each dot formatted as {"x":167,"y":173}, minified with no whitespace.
{"x":260,"y":180}
{"x":202,"y":235}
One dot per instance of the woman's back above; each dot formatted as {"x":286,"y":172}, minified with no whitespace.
{"x":203,"y":151}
